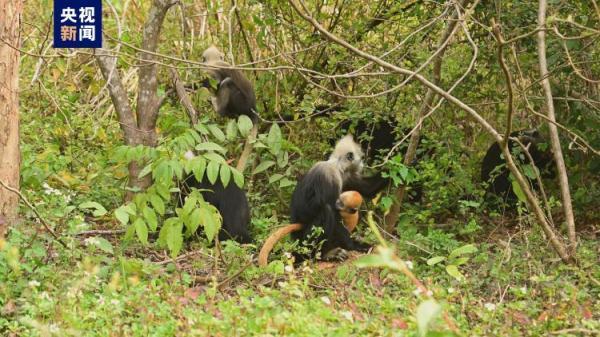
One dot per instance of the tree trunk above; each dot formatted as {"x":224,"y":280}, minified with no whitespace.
{"x":554,"y":140}
{"x":139,"y":128}
{"x":10,"y":18}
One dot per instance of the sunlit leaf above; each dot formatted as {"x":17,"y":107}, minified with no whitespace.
{"x":225,"y":174}
{"x":452,"y":270}
{"x":263,"y":166}
{"x":212,"y":172}
{"x":141,"y":230}
{"x":435,"y":260}
{"x":244,"y":124}
{"x":466,"y":249}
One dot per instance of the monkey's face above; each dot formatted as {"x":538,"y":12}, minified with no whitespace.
{"x":212,"y":54}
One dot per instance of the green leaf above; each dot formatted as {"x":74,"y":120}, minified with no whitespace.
{"x":225,"y":175}
{"x":201,"y":128}
{"x":150,"y":217}
{"x":157,"y":204}
{"x":452,"y":270}
{"x":238,"y":177}
{"x":175,"y":238}
{"x":122,"y":215}
{"x":199,"y":168}
{"x":100,"y":242}
{"x":466,"y":249}
{"x":177,"y":169}
{"x":141,"y":230}
{"x":244,"y":124}
{"x":263,"y":166}
{"x":210,"y":146}
{"x":212,"y":172}
{"x":426,"y":312}
{"x":275,"y":177}
{"x":219,"y":135}
{"x":211,"y":156}
{"x":231,"y":130}
{"x":282,"y":159}
{"x":285,"y":182}
{"x":145,"y":171}
{"x":211,"y":221}
{"x":461,"y":260}
{"x":274,"y":139}
{"x":193,"y":222}
{"x":98,"y":210}
{"x":435,"y":260}
{"x":518,"y":191}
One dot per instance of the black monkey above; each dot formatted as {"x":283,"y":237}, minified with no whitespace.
{"x":494,"y":170}
{"x":315,"y":196}
{"x":231,"y":202}
{"x":235,"y":94}
{"x":376,"y":138}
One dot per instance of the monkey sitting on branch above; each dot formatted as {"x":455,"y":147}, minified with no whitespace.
{"x":347,"y":205}
{"x":234,"y":96}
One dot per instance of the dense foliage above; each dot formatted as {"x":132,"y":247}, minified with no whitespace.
{"x":142,"y":267}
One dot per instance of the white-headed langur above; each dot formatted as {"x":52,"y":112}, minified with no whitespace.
{"x":316,"y":195}
{"x":235,"y":93}
{"x":230,"y":200}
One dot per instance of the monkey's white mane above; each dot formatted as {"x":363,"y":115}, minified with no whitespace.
{"x":338,"y":156}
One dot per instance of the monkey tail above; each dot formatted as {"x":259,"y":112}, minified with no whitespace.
{"x":263,"y":256}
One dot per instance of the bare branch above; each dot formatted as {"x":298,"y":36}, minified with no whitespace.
{"x":184,"y":97}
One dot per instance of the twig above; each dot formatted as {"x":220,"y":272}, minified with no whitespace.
{"x":234,"y":276}
{"x":101,"y":232}
{"x":184,"y":97}
{"x":183,"y":257}
{"x":37,"y":214}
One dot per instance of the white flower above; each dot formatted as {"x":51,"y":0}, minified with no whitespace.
{"x":490,"y":306}
{"x":45,"y":296}
{"x":409,"y":264}
{"x":326,"y":300}
{"x":451,"y":290}
{"x":33,"y":284}
{"x":347,"y":315}
{"x":289,"y":268}
{"x":53,"y":328}
{"x":523,"y":290}
{"x":91,"y":241}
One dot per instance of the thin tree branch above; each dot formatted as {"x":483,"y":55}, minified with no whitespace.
{"x":35,"y":211}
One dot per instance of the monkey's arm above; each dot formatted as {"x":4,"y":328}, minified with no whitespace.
{"x":367,"y":186}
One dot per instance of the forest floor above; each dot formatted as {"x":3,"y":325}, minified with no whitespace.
{"x":514,"y":285}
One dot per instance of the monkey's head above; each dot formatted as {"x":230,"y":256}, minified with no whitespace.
{"x":348,"y":154}
{"x":212,"y":54}
{"x":348,"y":204}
